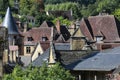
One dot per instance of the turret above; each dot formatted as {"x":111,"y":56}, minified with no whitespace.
{"x":13,"y":36}
{"x":10,"y":24}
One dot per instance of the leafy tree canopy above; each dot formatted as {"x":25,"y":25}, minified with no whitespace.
{"x":62,"y":21}
{"x":55,"y":72}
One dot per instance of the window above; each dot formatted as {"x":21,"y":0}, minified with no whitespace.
{"x":28,"y":50}
{"x":30,"y":39}
{"x":99,"y":39}
{"x":44,"y":39}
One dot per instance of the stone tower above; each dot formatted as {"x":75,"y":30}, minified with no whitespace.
{"x":13,"y":36}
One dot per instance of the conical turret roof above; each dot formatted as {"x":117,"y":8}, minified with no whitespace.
{"x":10,"y":23}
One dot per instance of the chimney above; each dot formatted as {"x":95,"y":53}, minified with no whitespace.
{"x":58,"y":26}
{"x":5,"y":56}
{"x":77,"y":23}
{"x":25,"y":27}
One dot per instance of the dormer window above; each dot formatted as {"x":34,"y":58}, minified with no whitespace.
{"x":30,"y":39}
{"x":99,"y":38}
{"x":44,"y":39}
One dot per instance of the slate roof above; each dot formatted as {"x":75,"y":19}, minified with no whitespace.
{"x":108,"y":25}
{"x":41,"y":59}
{"x":62,"y":46}
{"x":117,"y":70}
{"x":67,"y":57}
{"x":60,"y":39}
{"x":106,"y":60}
{"x":10,"y":23}
{"x":45,"y":56}
{"x":26,"y":60}
{"x":64,"y":32}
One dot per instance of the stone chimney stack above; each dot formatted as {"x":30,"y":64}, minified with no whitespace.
{"x":25,"y":27}
{"x":58,"y":26}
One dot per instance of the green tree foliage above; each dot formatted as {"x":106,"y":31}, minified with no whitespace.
{"x":25,"y":6}
{"x":33,"y":8}
{"x":62,"y":21}
{"x":55,"y":72}
{"x":85,"y":8}
{"x":42,"y":17}
{"x":3,"y":6}
{"x":117,"y":13}
{"x":62,"y":6}
{"x":107,"y":5}
{"x":65,"y":6}
{"x":53,"y":1}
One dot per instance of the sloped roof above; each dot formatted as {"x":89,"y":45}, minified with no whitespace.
{"x":37,"y":46}
{"x":67,"y":57}
{"x":64,"y":32}
{"x":45,"y":56}
{"x":106,"y":24}
{"x":58,"y":13}
{"x":85,"y":30}
{"x":47,"y":24}
{"x":10,"y":23}
{"x":62,"y":46}
{"x":99,"y":33}
{"x":45,"y":45}
{"x":26,"y":60}
{"x":106,"y":60}
{"x":60,"y":39}
{"x":41,"y":59}
{"x":78,"y":33}
{"x":38,"y":33}
{"x":117,"y":70}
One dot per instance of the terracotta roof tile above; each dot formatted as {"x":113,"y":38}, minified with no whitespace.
{"x":45,"y":45}
{"x":106,"y":24}
{"x":85,"y":30}
{"x":47,"y":24}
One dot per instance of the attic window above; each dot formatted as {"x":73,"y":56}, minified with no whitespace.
{"x":44,"y":39}
{"x":99,"y":38}
{"x":30,"y":39}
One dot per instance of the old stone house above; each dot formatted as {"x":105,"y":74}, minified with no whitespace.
{"x":101,"y":32}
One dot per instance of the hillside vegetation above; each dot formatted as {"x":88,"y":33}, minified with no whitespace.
{"x":80,"y":8}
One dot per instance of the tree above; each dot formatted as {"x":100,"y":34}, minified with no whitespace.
{"x":117,"y":13}
{"x":64,"y":7}
{"x":3,"y":6}
{"x":62,"y":21}
{"x":55,"y":72}
{"x":107,"y":5}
